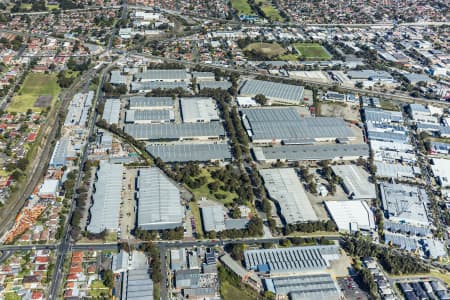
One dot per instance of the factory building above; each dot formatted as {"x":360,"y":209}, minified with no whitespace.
{"x":199,"y":110}
{"x":190,"y":152}
{"x":171,"y":131}
{"x":405,"y":203}
{"x":104,"y":212}
{"x":176,"y":75}
{"x":150,"y":103}
{"x":291,"y":260}
{"x":276,"y":125}
{"x":355,"y":181}
{"x":351,"y":216}
{"x":311,"y":152}
{"x":111,"y":111}
{"x":313,"y":286}
{"x":285,"y":188}
{"x":149,"y":116}
{"x":278,"y":92}
{"x":158,"y":201}
{"x":214,"y":219}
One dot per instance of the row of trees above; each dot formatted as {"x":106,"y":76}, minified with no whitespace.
{"x":310,"y":226}
{"x":393,"y":262}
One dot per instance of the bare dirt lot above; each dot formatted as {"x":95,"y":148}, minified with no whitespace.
{"x":340,"y":110}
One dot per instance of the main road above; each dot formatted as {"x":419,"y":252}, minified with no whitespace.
{"x":66,"y":244}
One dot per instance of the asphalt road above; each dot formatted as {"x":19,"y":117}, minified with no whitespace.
{"x":388,"y":96}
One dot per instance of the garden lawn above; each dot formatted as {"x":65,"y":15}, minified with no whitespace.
{"x":35,"y":85}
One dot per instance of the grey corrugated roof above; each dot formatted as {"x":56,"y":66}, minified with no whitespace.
{"x":159,"y":202}
{"x":314,"y":286}
{"x":111,"y":111}
{"x":141,"y":102}
{"x":287,"y":124}
{"x":117,"y":77}
{"x":311,"y":152}
{"x":60,"y":153}
{"x":149,"y":115}
{"x":178,"y":74}
{"x":273,"y":90}
{"x":223,"y":85}
{"x":148,"y":86}
{"x":377,"y":115}
{"x":356,"y":181}
{"x":292,"y":259}
{"x":213,"y":218}
{"x":405,"y":203}
{"x":175,"y":131}
{"x":107,"y":198}
{"x":284,"y":186}
{"x":190,"y":152}
{"x":197,"y":109}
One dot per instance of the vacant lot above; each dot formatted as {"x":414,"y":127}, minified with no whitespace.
{"x":35,"y":85}
{"x":311,"y":51}
{"x":268,"y":50}
{"x":242,"y":7}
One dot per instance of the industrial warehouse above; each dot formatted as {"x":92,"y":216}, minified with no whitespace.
{"x":285,"y":188}
{"x":278,"y":92}
{"x":104,"y":213}
{"x":184,"y":152}
{"x":158,"y":201}
{"x":276,"y":125}
{"x":311,"y":152}
{"x":171,"y":131}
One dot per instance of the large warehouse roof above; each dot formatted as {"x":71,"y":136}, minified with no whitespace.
{"x":190,"y":152}
{"x":286,"y":124}
{"x":395,"y":170}
{"x":162,"y":75}
{"x":107,"y":198}
{"x":351,"y":215}
{"x":141,"y":102}
{"x":159,"y":203}
{"x":356,"y":181}
{"x":111,"y":111}
{"x":175,"y":131}
{"x":314,"y":286}
{"x":291,"y":259}
{"x":311,"y":152}
{"x":199,"y":110}
{"x":376,"y":115}
{"x":441,"y":170}
{"x":213,"y":218}
{"x":405,"y":203}
{"x":148,"y":116}
{"x":59,"y":155}
{"x":223,"y":85}
{"x":78,"y":109}
{"x":285,"y":187}
{"x":273,"y":90}
{"x":148,"y":86}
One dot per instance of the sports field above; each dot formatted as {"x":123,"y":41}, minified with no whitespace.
{"x":242,"y":7}
{"x":269,"y":50}
{"x":35,"y":85}
{"x":311,"y":51}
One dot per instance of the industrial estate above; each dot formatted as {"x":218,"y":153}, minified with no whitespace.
{"x":186,"y":149}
